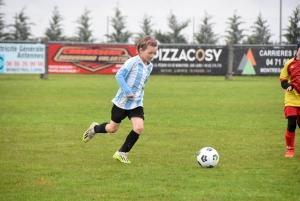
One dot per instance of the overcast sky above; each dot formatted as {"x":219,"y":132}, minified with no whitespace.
{"x":40,"y":13}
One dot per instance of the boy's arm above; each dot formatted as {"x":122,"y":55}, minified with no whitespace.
{"x":284,"y":77}
{"x":120,"y":76}
{"x":285,"y":85}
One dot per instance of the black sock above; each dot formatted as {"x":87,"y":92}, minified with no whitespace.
{"x":100,"y":128}
{"x":129,"y":142}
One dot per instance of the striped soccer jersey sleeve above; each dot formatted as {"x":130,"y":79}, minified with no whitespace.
{"x":132,"y":77}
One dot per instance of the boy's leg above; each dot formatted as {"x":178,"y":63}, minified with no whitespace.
{"x":117,"y":115}
{"x":290,"y":136}
{"x":289,"y":139}
{"x":131,"y":139}
{"x":100,"y":128}
{"x":137,"y":119}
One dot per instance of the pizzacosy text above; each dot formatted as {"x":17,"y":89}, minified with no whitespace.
{"x":176,"y":54}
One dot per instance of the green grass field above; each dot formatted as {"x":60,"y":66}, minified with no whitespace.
{"x":43,"y":156}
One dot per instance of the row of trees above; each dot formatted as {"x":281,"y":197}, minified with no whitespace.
{"x":260,"y":32}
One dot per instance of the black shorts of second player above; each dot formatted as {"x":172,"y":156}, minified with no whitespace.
{"x":118,"y":114}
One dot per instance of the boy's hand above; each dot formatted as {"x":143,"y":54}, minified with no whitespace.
{"x":290,"y":88}
{"x":130,"y":96}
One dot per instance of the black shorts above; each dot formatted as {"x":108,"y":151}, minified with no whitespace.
{"x":118,"y":114}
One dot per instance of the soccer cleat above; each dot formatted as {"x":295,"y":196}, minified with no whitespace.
{"x":121,"y":156}
{"x":289,"y":153}
{"x":89,"y":134}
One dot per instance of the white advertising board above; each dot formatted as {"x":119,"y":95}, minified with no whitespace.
{"x":22,"y":58}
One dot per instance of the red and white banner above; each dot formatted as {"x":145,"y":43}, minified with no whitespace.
{"x":88,"y":58}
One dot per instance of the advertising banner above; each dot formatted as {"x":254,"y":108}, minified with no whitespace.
{"x":261,"y":59}
{"x":191,"y":60}
{"x":170,"y":59}
{"x":88,"y":58}
{"x":22,"y":58}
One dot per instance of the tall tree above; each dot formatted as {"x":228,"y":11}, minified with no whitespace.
{"x":293,"y":30}
{"x":205,"y":34}
{"x":3,"y":33}
{"x":175,"y":35}
{"x":21,"y":27}
{"x":119,"y":24}
{"x":260,"y":32}
{"x":176,"y":28}
{"x":55,"y":31}
{"x":235,"y":33}
{"x":146,"y":27}
{"x":84,"y":34}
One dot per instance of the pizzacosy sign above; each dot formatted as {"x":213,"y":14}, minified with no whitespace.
{"x":181,"y":59}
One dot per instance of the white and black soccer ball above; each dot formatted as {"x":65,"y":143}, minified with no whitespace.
{"x":208,"y":157}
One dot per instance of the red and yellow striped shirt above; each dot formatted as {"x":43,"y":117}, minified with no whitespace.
{"x":291,"y":73}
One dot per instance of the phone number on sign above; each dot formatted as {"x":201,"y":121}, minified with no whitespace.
{"x":276,"y":61}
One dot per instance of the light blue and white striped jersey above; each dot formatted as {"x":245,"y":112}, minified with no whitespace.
{"x":132,"y":77}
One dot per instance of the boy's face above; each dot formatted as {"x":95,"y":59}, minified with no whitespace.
{"x":148,"y":54}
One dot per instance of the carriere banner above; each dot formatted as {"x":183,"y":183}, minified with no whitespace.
{"x":170,"y":59}
{"x":261,"y":59}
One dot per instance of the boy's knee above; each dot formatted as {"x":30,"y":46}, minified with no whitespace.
{"x":111,"y":129}
{"x":138,"y":129}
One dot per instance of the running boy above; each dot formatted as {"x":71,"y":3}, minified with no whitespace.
{"x":290,"y":81}
{"x":128,"y":101}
